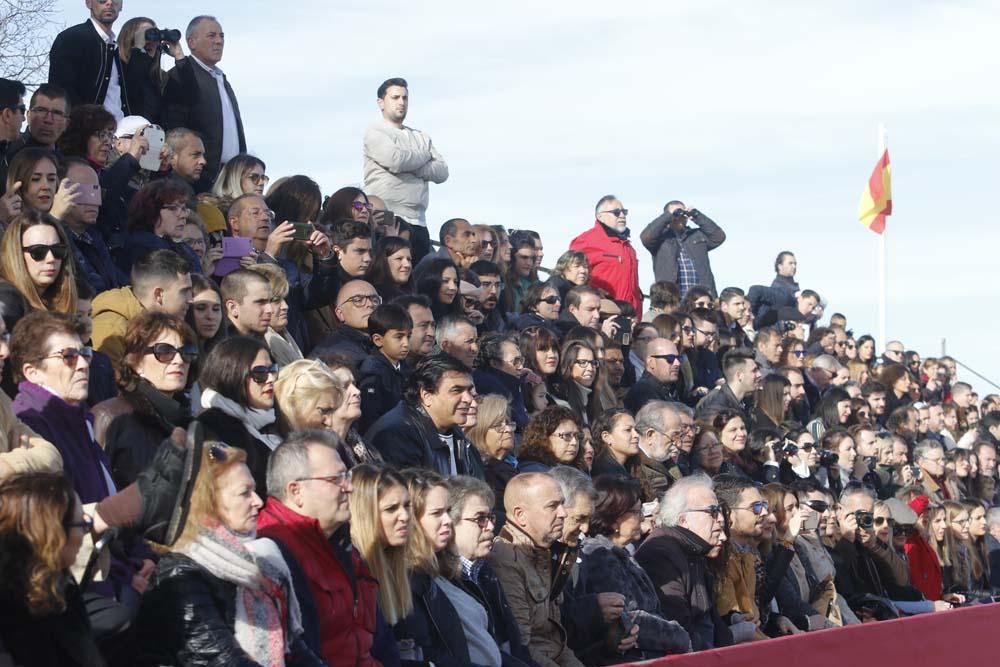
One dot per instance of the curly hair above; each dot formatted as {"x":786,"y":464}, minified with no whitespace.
{"x":142,"y":331}
{"x":35,"y":514}
{"x":85,"y":121}
{"x":535,"y":444}
{"x":216,"y":459}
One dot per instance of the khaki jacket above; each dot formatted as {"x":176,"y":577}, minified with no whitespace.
{"x":525,"y":572}
{"x":39,"y":456}
{"x":112,"y":311}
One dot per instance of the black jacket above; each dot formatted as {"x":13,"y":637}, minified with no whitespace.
{"x":187,"y":617}
{"x":433,"y":626}
{"x":676,"y":561}
{"x":381,"y":388}
{"x":407,"y":438}
{"x":348,"y":342}
{"x":93,"y":262}
{"x":82,"y":63}
{"x":720,"y":398}
{"x":664,"y":245}
{"x":191,"y":99}
{"x":648,"y":388}
{"x":220,"y":426}
{"x":145,"y":92}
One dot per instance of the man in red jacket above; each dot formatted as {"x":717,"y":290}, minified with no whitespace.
{"x":307,"y":514}
{"x":614,"y":266}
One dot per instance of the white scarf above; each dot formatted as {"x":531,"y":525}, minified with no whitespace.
{"x":253,"y":419}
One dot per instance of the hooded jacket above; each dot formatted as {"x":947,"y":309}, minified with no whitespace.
{"x":614,"y":266}
{"x":112,"y":312}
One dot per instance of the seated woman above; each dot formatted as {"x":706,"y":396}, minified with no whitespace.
{"x":706,"y":454}
{"x":157,"y":215}
{"x":34,"y":259}
{"x":616,"y":445}
{"x":205,"y":314}
{"x":539,"y":307}
{"x":607,"y":566}
{"x":979,"y":555}
{"x":392,"y":268}
{"x":833,"y":410}
{"x":580,"y":377}
{"x":44,"y":619}
{"x":772,"y":401}
{"x":572,"y":270}
{"x":33,"y":174}
{"x":237,"y":383}
{"x":446,"y":626}
{"x":493,"y":436}
{"x":552,"y":438}
{"x":540,"y":349}
{"x":222,"y":596}
{"x":731,"y":429}
{"x":499,"y":367}
{"x":284,"y":349}
{"x":159,"y":352}
{"x":242,"y":175}
{"x":438,"y":281}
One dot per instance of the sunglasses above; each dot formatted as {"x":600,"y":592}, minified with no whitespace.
{"x":165,"y":353}
{"x":758,"y":507}
{"x":257,"y":179}
{"x":799,"y":353}
{"x":489,"y":243}
{"x":818,"y":506}
{"x":714,"y":510}
{"x":882,"y":520}
{"x":361,"y":206}
{"x":670,"y":358}
{"x":261,"y":374}
{"x":40,"y":251}
{"x":71,"y":355}
{"x":688,"y":329}
{"x":551,"y":300}
{"x":617,"y":212}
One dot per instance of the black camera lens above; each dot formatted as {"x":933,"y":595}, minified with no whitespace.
{"x":865,"y":519}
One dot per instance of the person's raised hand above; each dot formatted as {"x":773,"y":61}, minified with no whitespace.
{"x":10,"y":203}
{"x":64,"y":199}
{"x":212,"y":255}
{"x":278,"y":237}
{"x":612,"y":605}
{"x":609,"y":327}
{"x":174,"y":50}
{"x":867,"y":537}
{"x":139,"y":144}
{"x":319,"y":244}
{"x":246,"y":261}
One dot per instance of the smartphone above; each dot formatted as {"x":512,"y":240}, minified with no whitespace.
{"x":88,"y":194}
{"x":626,"y":621}
{"x":812,"y":521}
{"x":649,"y":508}
{"x":155,"y":136}
{"x":302,"y":231}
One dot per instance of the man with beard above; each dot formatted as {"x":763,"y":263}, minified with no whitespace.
{"x":660,"y":431}
{"x":742,"y":379}
{"x":490,"y":286}
{"x":875,"y":392}
{"x":800,"y":403}
{"x":459,"y":243}
{"x":423,"y":430}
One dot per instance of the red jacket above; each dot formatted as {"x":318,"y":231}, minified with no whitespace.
{"x":925,"y":569}
{"x":346,"y":614}
{"x":614,"y":266}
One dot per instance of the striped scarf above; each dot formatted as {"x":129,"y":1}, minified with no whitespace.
{"x":267,"y":611}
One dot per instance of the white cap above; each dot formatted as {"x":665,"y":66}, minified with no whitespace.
{"x":129,"y":125}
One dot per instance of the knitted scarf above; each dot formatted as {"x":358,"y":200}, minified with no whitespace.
{"x":267,"y":611}
{"x":254,"y":420}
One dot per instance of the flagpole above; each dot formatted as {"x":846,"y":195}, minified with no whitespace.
{"x":882,"y":269}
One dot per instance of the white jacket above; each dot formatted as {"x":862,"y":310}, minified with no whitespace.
{"x":398,"y":165}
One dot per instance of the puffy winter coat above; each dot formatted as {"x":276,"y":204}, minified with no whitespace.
{"x":614,"y":266}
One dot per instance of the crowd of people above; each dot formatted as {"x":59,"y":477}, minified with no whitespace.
{"x":243,"y":423}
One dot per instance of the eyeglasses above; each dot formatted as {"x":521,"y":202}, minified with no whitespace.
{"x":503,"y":425}
{"x":18,"y":107}
{"x":584,"y":363}
{"x":176,"y":209}
{"x":71,"y":355}
{"x":103,"y":135}
{"x":693,"y":428}
{"x":218,"y":452}
{"x":617,"y":212}
{"x":40,"y":251}
{"x":688,"y":329}
{"x":669,"y":358}
{"x":818,"y":506}
{"x":488,"y":243}
{"x":86,"y":524}
{"x":552,"y":300}
{"x":707,"y":334}
{"x":341,"y":479}
{"x":361,"y":206}
{"x":258,"y":179}
{"x":517,"y":362}
{"x":571,"y":436}
{"x":481,"y":520}
{"x":165,"y":353}
{"x":714,"y":510}
{"x":757,"y":507}
{"x":962,"y":522}
{"x":359,"y":300}
{"x":260,"y":374}
{"x":42,"y":111}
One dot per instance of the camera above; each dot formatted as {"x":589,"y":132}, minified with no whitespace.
{"x":169,"y":35}
{"x":786,"y":326}
{"x":788,"y":448}
{"x":916,"y":472}
{"x":865,"y":519}
{"x":828,"y":457}
{"x":871,"y":462}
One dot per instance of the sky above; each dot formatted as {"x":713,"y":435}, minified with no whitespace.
{"x":763,"y":115}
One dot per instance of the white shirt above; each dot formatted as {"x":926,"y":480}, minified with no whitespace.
{"x":230,"y":129}
{"x":113,"y":98}
{"x":449,"y":440}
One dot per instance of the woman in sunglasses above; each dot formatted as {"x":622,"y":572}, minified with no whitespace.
{"x":793,"y":352}
{"x":540,"y":306}
{"x":160,"y":350}
{"x":222,"y":595}
{"x":242,"y":175}
{"x":157,"y":216}
{"x":237,"y":394}
{"x":607,"y":566}
{"x":346,"y":204}
{"x":34,"y":258}
{"x":42,"y":527}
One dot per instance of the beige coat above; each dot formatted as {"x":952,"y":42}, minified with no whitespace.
{"x":39,"y":456}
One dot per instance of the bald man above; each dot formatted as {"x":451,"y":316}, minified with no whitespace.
{"x":522,"y":559}
{"x":356,"y":301}
{"x":661,"y":379}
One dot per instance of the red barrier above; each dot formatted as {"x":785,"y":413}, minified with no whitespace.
{"x":954,"y":637}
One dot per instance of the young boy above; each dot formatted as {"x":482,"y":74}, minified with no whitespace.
{"x":380,"y":377}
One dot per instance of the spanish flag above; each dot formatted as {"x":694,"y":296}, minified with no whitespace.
{"x":876,"y":200}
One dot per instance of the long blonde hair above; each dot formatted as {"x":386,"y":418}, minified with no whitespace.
{"x":58,"y":297}
{"x":422,"y":556}
{"x":387,"y":563}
